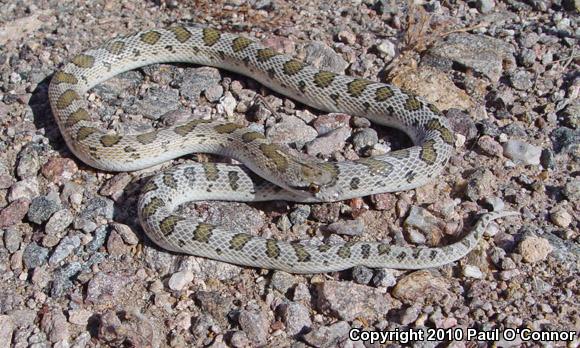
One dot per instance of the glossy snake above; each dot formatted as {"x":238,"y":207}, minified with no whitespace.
{"x":285,"y":174}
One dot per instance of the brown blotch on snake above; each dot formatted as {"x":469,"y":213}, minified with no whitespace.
{"x":227,"y":128}
{"x":181,"y":33}
{"x":83,"y":61}
{"x":301,"y":254}
{"x":109,"y":140}
{"x":357,"y":86}
{"x":151,"y":207}
{"x":210,"y":36}
{"x":248,"y":137}
{"x":77,"y":116}
{"x":147,"y":138}
{"x":150,"y":37}
{"x":428,"y":153}
{"x":64,"y":77}
{"x":211,"y":171}
{"x":324,"y":79}
{"x":203,"y":232}
{"x":167,"y":225}
{"x":239,"y":44}
{"x":272,"y":249}
{"x":265,"y":54}
{"x":293,"y":66}
{"x":239,"y":240}
{"x":275,"y":155}
{"x":85,"y":132}
{"x":66,"y":99}
{"x":115,"y":47}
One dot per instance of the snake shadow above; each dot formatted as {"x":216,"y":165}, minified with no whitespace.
{"x":125,"y":205}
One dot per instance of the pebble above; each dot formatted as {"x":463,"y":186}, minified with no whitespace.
{"x":547,"y":159}
{"x":64,"y":249}
{"x":157,"y":102}
{"x":98,"y":206}
{"x":521,"y":80}
{"x":302,"y":293}
{"x":282,"y":281}
{"x":291,"y":130}
{"x":41,"y":277}
{"x":482,"y":183}
{"x":483,"y":54}
{"x":472,"y":272}
{"x":28,"y":162}
{"x":214,"y":93}
{"x":62,"y":279}
{"x":328,"y":143}
{"x":561,"y":218}
{"x":362,"y":275}
{"x":563,"y":138}
{"x":14,"y":212}
{"x":239,"y":339}
{"x":388,"y":49}
{"x":114,"y":187}
{"x":421,"y":219}
{"x":489,"y":146}
{"x":328,"y":336}
{"x":284,"y":223}
{"x":365,"y":138}
{"x":26,"y":188}
{"x":572,"y":190}
{"x":180,"y":280}
{"x":385,"y":278}
{"x":34,"y":255}
{"x":41,"y":209}
{"x":98,"y":239}
{"x":255,"y":325}
{"x":55,"y":325}
{"x":196,"y":80}
{"x":115,"y":244}
{"x":348,"y":301}
{"x":58,"y":222}
{"x":12,"y":239}
{"x":79,"y":316}
{"x":496,"y":202}
{"x":6,"y":330}
{"x":347,"y":227}
{"x":59,"y":170}
{"x":421,"y":286}
{"x":534,"y":249}
{"x":521,"y":152}
{"x":300,"y":214}
{"x":104,"y":287}
{"x":126,"y":233}
{"x":324,"y":57}
{"x":296,"y":317}
{"x":227,"y":104}
{"x":485,"y":6}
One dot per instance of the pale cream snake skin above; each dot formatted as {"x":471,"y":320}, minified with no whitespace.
{"x":286,"y":175}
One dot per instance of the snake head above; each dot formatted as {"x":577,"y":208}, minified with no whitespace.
{"x":316,"y":180}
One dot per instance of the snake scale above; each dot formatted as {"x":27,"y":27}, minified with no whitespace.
{"x":282,"y":174}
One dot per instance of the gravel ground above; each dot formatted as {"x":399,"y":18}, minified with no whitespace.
{"x":77,"y":270}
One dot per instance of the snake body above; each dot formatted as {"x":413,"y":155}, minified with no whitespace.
{"x":282,"y":174}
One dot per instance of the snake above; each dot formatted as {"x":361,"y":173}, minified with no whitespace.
{"x":267,"y":171}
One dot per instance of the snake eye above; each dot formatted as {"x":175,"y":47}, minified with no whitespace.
{"x":314,"y":188}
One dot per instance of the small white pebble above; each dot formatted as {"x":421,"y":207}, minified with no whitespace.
{"x":561,"y":218}
{"x":180,"y":279}
{"x":472,"y":272}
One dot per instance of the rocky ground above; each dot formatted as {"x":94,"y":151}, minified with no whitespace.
{"x":77,"y":270}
